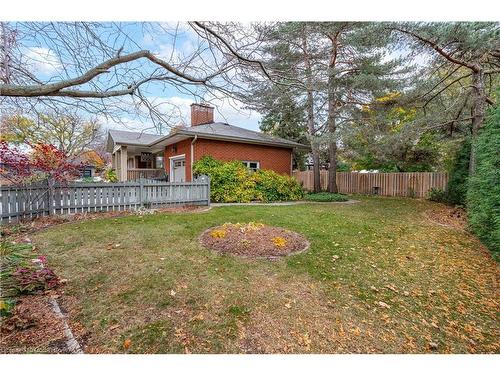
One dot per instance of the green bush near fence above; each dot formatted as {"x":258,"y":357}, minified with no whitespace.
{"x":326,"y":197}
{"x":234,"y":182}
{"x":456,"y":191}
{"x":483,"y":195}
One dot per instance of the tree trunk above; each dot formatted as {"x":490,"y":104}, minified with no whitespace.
{"x":310,"y":116}
{"x":332,"y":104}
{"x":478,"y":113}
{"x":314,"y":144}
{"x":332,"y":170}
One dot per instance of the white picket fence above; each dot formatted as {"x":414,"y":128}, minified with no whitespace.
{"x":23,"y":202}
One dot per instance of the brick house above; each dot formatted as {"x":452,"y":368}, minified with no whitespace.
{"x":136,"y":154}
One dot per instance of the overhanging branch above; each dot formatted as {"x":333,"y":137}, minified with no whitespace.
{"x":58,"y":88}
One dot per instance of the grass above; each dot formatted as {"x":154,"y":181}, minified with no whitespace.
{"x":378,"y":277}
{"x":326,"y":197}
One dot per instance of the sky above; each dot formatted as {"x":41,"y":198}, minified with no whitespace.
{"x":172,"y":46}
{"x":174,"y":42}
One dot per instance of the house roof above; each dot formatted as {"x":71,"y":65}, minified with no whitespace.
{"x":136,"y":138}
{"x":216,"y":130}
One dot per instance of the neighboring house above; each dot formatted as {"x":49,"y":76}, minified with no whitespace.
{"x":90,"y":162}
{"x":136,"y":154}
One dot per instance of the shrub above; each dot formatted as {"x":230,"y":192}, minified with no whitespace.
{"x":483,"y":195}
{"x":229,"y":182}
{"x":271,"y":186}
{"x":459,"y":175}
{"x":218,"y":233}
{"x":437,"y":195}
{"x":456,"y":191}
{"x":110,"y":175}
{"x":279,"y":241}
{"x":31,"y":279}
{"x":233,"y":182}
{"x":326,"y":197}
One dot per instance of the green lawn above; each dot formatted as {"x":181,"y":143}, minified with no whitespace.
{"x":163,"y":291}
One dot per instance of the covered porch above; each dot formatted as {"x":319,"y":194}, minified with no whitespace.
{"x":132,"y":162}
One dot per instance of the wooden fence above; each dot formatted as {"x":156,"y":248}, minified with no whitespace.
{"x":38,"y":200}
{"x":413,"y":184}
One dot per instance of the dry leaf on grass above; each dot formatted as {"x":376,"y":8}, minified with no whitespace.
{"x":126,"y":344}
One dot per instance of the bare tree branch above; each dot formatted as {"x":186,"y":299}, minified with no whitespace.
{"x":57,"y":89}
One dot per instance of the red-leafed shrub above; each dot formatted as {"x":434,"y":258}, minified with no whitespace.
{"x":36,"y":162}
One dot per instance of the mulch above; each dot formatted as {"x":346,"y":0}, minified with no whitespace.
{"x":34,"y":328}
{"x":452,"y":217}
{"x":253,"y":240}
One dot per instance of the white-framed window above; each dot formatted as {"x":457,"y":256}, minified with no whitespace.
{"x":252,"y":165}
{"x":179,"y":163}
{"x":160,"y":161}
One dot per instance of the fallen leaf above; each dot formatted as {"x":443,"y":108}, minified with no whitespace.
{"x":288,"y":305}
{"x":391,"y":287}
{"x":197,"y":317}
{"x":383,"y":304}
{"x":433,"y":345}
{"x":127,"y":343}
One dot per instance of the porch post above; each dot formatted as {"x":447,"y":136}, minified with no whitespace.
{"x":123,"y":163}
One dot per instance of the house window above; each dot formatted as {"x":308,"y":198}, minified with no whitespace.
{"x":252,"y":165}
{"x":87,"y":172}
{"x":179,"y":163}
{"x":159,"y":162}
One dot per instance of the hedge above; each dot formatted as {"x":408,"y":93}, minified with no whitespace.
{"x":483,"y":195}
{"x":234,"y":182}
{"x":326,"y":197}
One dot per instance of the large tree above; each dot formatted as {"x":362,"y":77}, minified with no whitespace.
{"x":356,"y":73}
{"x":469,"y":55}
{"x":328,"y":70}
{"x":69,"y":133}
{"x":285,"y":119}
{"x":284,"y":60}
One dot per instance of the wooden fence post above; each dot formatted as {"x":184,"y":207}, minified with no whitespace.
{"x":50,"y":198}
{"x":141,"y":192}
{"x":208,"y":190}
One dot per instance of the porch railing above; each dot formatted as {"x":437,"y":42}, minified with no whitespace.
{"x":136,"y":173}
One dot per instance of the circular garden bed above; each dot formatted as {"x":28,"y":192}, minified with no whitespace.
{"x":253,"y":240}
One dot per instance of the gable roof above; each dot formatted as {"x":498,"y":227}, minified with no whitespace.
{"x":135,"y":138}
{"x":215,"y":130}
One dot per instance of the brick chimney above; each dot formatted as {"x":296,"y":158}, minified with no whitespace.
{"x":201,"y":114}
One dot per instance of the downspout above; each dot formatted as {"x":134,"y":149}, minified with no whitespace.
{"x":192,"y":154}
